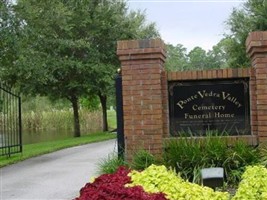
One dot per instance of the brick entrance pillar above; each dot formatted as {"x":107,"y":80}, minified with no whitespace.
{"x":144,"y":95}
{"x":257,"y":50}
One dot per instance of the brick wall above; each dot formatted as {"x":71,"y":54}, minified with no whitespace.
{"x":257,"y":50}
{"x":209,"y":74}
{"x":145,"y":91}
{"x":144,"y":95}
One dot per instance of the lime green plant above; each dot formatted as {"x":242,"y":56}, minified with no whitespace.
{"x":253,"y":185}
{"x":158,"y":179}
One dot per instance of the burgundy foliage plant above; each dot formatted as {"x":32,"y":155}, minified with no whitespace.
{"x":112,"y":187}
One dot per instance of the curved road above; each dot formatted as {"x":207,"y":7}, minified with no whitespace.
{"x":54,"y":176}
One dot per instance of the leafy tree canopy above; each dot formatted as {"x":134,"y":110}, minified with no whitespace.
{"x":176,"y":58}
{"x":197,"y":59}
{"x":251,"y":17}
{"x":9,"y":34}
{"x":68,"y":47}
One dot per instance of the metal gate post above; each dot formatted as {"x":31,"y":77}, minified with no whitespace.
{"x":119,"y":110}
{"x":20,"y":123}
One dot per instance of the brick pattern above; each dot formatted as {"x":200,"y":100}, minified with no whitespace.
{"x":256,"y":44}
{"x":210,"y":74}
{"x":144,"y":95}
{"x":165,"y":104}
{"x":253,"y":102}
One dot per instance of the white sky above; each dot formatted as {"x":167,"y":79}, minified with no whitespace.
{"x":190,"y":23}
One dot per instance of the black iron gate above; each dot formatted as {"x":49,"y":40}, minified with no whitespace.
{"x":10,"y":122}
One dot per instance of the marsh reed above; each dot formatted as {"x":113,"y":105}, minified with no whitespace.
{"x":61,"y":120}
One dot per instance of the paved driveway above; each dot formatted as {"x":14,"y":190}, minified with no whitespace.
{"x":54,"y":176}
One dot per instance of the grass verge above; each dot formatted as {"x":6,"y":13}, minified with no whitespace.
{"x":112,"y":120}
{"x":32,"y":150}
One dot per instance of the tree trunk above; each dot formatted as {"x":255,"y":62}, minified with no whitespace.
{"x":75,"y":107}
{"x":103,"y":101}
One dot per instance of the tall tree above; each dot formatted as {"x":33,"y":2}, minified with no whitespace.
{"x":176,"y":58}
{"x":57,"y":54}
{"x":251,"y":17}
{"x":217,"y":57}
{"x":9,"y":34}
{"x":123,"y":26}
{"x":197,"y":59}
{"x":69,"y":47}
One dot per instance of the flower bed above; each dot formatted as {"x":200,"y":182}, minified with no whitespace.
{"x":158,"y":183}
{"x":159,"y":179}
{"x":112,"y":187}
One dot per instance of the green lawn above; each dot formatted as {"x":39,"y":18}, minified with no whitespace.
{"x":112,"y":120}
{"x":32,"y":150}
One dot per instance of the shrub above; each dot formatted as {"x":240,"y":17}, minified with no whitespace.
{"x":111,"y":187}
{"x":263,"y":153}
{"x":188,"y":156}
{"x":159,"y":179}
{"x":238,"y":157}
{"x":142,"y":159}
{"x":253,"y":185}
{"x":110,"y":164}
